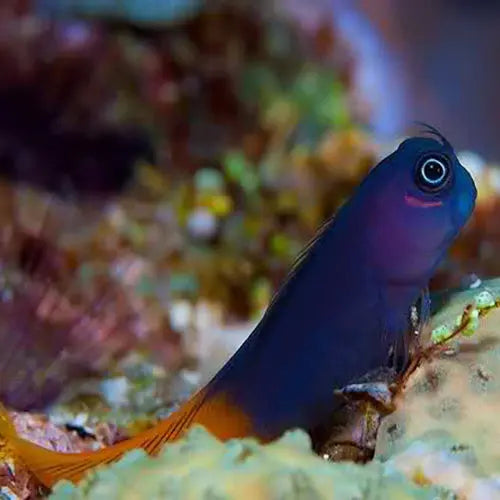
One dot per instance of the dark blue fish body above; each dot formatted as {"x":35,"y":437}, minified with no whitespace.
{"x":343,"y":309}
{"x":347,"y":302}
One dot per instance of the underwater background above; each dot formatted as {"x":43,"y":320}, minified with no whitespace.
{"x":162,"y":164}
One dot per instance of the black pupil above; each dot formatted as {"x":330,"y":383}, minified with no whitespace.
{"x":434,"y":171}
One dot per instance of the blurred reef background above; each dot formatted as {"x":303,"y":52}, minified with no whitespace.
{"x":161,"y":165}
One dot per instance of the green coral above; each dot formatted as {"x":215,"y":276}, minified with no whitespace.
{"x":472,"y":323}
{"x":480,"y":301}
{"x":441,"y":333}
{"x":201,"y":467}
{"x":484,"y":299}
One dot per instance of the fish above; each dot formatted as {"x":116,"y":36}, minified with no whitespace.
{"x":342,"y":312}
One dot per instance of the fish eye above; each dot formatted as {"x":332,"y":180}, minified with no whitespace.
{"x":433,"y":172}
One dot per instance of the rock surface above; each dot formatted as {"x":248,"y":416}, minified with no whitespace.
{"x":447,"y":421}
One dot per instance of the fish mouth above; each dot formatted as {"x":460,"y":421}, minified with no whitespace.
{"x":413,"y":201}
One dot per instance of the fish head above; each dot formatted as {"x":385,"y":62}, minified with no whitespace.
{"x":416,"y":202}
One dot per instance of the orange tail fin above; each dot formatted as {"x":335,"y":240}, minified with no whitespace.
{"x":216,"y":414}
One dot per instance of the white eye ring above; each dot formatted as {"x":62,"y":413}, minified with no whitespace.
{"x":425,"y":175}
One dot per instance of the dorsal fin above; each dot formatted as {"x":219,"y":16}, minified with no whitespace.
{"x":301,"y":259}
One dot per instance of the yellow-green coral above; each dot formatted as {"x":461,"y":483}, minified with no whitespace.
{"x":199,"y":467}
{"x":479,"y":302}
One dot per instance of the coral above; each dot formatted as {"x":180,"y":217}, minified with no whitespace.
{"x":447,"y":419}
{"x":201,"y":467}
